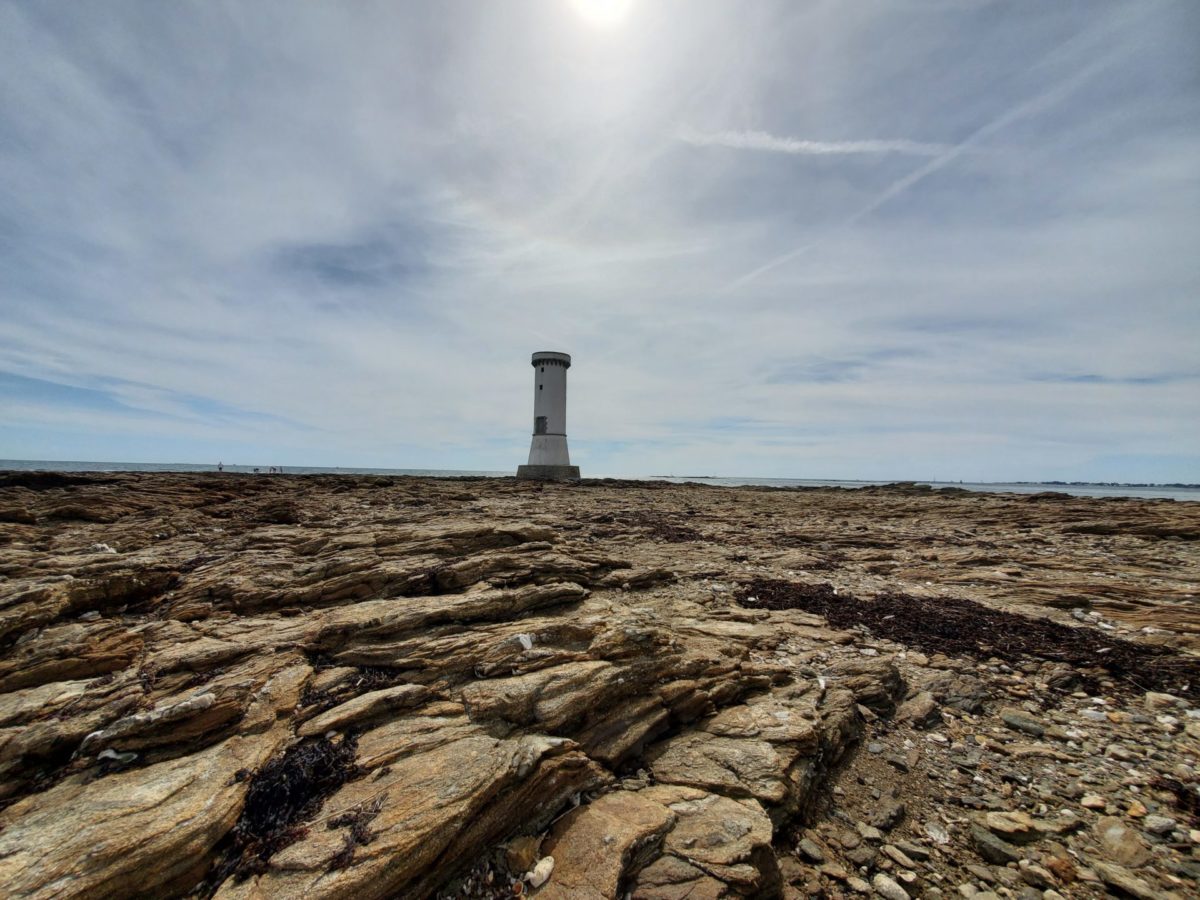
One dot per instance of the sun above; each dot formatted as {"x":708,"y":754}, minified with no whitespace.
{"x":602,"y":13}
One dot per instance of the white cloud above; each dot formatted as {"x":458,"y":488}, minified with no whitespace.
{"x":760,"y":140}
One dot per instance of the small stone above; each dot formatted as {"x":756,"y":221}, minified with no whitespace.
{"x":837,"y":873}
{"x":857,"y":885}
{"x":1156,"y":700}
{"x":1137,"y":810}
{"x":1063,"y":868}
{"x":848,"y":839}
{"x":896,"y":762}
{"x":1093,"y":801}
{"x":1014,"y":827}
{"x":1020,"y":720}
{"x":1158,"y":824}
{"x":521,"y":853}
{"x":810,"y":851}
{"x":887,"y":888}
{"x":869,"y":832}
{"x":896,"y":855}
{"x":874,"y":747}
{"x":993,"y":849}
{"x":920,"y":710}
{"x":1036,"y":876}
{"x":888,"y":815}
{"x":1124,"y":880}
{"x":916,"y":851}
{"x":862,"y":856}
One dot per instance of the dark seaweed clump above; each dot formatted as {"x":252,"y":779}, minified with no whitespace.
{"x":953,"y":625}
{"x":288,"y":790}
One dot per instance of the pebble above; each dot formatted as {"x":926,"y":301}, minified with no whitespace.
{"x":1156,"y":700}
{"x":992,"y":848}
{"x":887,"y":888}
{"x":1022,"y":721}
{"x":869,"y":832}
{"x":810,"y":851}
{"x":898,"y":856}
{"x":1124,"y":880}
{"x":1158,"y":824}
{"x":916,"y":851}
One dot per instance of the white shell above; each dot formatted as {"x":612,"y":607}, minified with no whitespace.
{"x":540,"y":874}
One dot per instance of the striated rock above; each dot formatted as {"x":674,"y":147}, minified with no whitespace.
{"x":598,"y":847}
{"x":740,"y":768}
{"x":725,"y":839}
{"x":66,"y":652}
{"x":146,"y":830}
{"x":569,"y":685}
{"x":365,"y":706}
{"x":440,"y":805}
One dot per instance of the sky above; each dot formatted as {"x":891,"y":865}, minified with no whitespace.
{"x":882,"y":239}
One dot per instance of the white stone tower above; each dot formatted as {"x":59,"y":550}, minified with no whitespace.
{"x":548,"y":457}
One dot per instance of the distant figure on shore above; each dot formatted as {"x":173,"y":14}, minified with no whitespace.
{"x":220,"y":467}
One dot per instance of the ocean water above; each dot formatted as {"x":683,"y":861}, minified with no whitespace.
{"x":1154,"y":492}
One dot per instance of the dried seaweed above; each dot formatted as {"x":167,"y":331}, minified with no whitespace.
{"x":654,"y":524}
{"x":954,"y":625}
{"x":357,"y":821}
{"x":288,"y":790}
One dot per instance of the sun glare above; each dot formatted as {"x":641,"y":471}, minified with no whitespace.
{"x":603,"y":13}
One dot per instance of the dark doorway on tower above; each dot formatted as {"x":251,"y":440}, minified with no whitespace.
{"x":539,"y":425}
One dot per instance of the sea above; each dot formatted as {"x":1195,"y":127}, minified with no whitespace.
{"x":1153,"y":492}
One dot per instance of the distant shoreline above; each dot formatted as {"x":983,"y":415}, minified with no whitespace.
{"x":71,"y":465}
{"x":1176,"y":491}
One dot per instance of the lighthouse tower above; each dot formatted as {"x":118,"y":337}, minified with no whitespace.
{"x":548,"y":457}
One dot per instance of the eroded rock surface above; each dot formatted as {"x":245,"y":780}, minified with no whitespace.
{"x":273,"y":687}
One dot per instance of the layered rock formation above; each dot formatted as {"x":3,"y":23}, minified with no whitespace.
{"x":238,"y":686}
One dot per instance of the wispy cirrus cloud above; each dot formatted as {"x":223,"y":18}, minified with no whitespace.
{"x":219,"y":241}
{"x":761,"y":140}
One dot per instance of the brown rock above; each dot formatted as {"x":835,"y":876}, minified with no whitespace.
{"x":1121,"y":843}
{"x":598,"y":845}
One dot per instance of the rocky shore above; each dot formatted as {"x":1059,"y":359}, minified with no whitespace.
{"x":373,"y":687}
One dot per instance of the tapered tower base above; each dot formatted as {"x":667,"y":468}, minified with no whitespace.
{"x":549,"y":473}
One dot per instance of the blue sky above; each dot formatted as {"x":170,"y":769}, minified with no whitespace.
{"x":879,"y":239}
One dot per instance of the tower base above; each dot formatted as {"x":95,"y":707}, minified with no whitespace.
{"x":549,"y":473}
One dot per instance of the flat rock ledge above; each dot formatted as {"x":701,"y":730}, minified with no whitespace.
{"x":278,"y":687}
